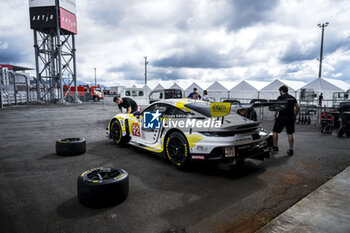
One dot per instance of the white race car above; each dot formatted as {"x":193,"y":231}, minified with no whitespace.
{"x":184,"y":129}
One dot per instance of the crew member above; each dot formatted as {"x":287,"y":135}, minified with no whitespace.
{"x":190,"y":96}
{"x":249,"y":113}
{"x":344,"y":107}
{"x":125,"y":102}
{"x":285,"y":118}
{"x":205,"y":95}
{"x":320,"y":98}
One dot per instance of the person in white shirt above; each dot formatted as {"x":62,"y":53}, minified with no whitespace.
{"x":205,"y":95}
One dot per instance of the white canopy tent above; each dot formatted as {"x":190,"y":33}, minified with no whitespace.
{"x":271,"y":90}
{"x":258,"y":84}
{"x":189,"y":89}
{"x":339,"y":83}
{"x":217,"y":91}
{"x":147,"y":90}
{"x":244,"y":90}
{"x":166,"y":84}
{"x":158,"y":87}
{"x":327,"y":87}
{"x":152,"y":84}
{"x":176,"y":86}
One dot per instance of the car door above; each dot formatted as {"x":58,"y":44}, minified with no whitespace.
{"x":151,"y":134}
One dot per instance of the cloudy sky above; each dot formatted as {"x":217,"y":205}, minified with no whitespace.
{"x":199,"y":40}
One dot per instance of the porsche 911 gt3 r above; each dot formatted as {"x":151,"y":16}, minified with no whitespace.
{"x":184,"y":129}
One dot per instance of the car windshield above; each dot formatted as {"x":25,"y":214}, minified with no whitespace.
{"x":97,"y":89}
{"x":200,"y":107}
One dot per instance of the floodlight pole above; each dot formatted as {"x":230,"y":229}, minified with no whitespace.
{"x":95,"y":76}
{"x":146,"y":62}
{"x":321,"y":52}
{"x":59,"y":52}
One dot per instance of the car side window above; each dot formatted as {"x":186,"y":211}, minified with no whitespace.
{"x":150,"y":108}
{"x":174,"y":111}
{"x":162,"y":108}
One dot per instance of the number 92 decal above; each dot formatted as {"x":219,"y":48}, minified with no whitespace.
{"x":135,"y":128}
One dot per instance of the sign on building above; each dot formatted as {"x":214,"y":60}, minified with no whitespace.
{"x":68,"y":21}
{"x":43,"y":15}
{"x":42,"y":18}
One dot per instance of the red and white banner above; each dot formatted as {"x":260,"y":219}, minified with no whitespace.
{"x":68,"y":21}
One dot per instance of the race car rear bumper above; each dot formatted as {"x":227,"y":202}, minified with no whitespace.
{"x":257,"y":151}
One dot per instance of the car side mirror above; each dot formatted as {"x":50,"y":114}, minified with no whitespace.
{"x":137,"y":114}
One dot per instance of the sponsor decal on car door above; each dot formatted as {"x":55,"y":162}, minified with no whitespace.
{"x":151,"y":126}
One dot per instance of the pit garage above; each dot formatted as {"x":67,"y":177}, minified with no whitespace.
{"x":38,"y":188}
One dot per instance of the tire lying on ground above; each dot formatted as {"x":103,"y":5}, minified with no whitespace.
{"x":70,"y":146}
{"x":103,"y":187}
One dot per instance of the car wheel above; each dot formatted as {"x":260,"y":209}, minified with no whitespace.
{"x":70,"y":146}
{"x":177,"y":149}
{"x":117,"y":133}
{"x":103,"y":187}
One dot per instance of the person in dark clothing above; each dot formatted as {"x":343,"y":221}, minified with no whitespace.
{"x":125,"y":102}
{"x":344,"y":113}
{"x":285,"y":118}
{"x":190,"y":96}
{"x":320,"y":98}
{"x":249,"y":113}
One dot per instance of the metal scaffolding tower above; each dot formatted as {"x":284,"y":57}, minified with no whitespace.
{"x":55,"y":58}
{"x":55,"y":65}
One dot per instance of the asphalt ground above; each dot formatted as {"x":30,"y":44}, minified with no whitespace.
{"x":38,"y":189}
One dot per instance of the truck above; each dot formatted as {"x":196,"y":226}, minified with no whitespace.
{"x":85,"y":93}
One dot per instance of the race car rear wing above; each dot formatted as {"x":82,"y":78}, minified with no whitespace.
{"x":273,"y":105}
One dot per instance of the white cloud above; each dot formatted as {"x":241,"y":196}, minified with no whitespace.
{"x":198,"y":40}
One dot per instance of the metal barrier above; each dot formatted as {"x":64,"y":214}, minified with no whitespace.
{"x":14,"y":89}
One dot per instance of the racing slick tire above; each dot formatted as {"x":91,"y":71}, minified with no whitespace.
{"x":117,"y":133}
{"x":103,"y":187}
{"x":177,"y":149}
{"x":70,"y":146}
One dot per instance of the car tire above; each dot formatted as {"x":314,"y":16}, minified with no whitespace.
{"x":103,"y":187}
{"x":117,"y":133}
{"x":70,"y":146}
{"x":177,"y":149}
